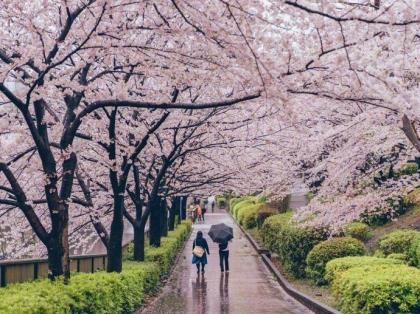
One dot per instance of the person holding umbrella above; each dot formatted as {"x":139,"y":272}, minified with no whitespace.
{"x":222,"y":234}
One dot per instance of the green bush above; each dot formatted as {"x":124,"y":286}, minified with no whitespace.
{"x":272,"y":226}
{"x":221,"y":201}
{"x":328,"y":250}
{"x":398,"y":256}
{"x":414,"y":253}
{"x":243,"y":203}
{"x":378,"y":289}
{"x":290,"y":242}
{"x":358,"y":230}
{"x":336,"y":267}
{"x":247,"y":216}
{"x":100,"y":292}
{"x":409,"y":168}
{"x":398,"y":241}
{"x":87,"y":293}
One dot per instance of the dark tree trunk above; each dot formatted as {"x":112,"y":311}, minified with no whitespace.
{"x":55,"y":253}
{"x":174,"y":211}
{"x":155,"y":222}
{"x":184,"y":207}
{"x":139,"y":242}
{"x":164,"y":210}
{"x":114,"y":251}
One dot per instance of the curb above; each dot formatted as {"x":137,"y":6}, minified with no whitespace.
{"x":310,"y":303}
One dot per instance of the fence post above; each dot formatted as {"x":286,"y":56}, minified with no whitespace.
{"x":93,"y":264}
{"x":3,"y":275}
{"x":78,"y":264}
{"x":36,"y":270}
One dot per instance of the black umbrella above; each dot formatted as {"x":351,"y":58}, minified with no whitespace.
{"x":221,"y":233}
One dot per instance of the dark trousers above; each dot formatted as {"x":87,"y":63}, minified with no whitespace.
{"x":224,"y":260}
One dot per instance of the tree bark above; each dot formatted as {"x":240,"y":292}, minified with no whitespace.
{"x":139,"y":242}
{"x":174,"y":211}
{"x":114,"y":251}
{"x":155,"y":222}
{"x":164,"y":211}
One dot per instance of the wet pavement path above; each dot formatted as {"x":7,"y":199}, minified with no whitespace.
{"x":247,"y":288}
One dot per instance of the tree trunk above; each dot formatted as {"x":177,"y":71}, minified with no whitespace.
{"x":174,"y":211}
{"x":184,"y":207}
{"x":164,"y":210}
{"x":155,"y":222}
{"x":114,"y":251}
{"x":55,"y":254}
{"x":139,"y":242}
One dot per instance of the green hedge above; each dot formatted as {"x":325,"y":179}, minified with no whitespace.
{"x":247,"y":216}
{"x":336,"y":267}
{"x":378,"y":289}
{"x":358,"y":230}
{"x":290,"y":242}
{"x":271,"y":227}
{"x":409,"y":169}
{"x":399,"y":241}
{"x":328,"y":250}
{"x":241,"y":204}
{"x":99,"y":292}
{"x":414,"y":253}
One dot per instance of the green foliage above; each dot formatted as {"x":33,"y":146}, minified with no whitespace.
{"x":358,"y":230}
{"x":272,"y":226}
{"x":378,"y":289}
{"x":247,"y":216}
{"x":409,"y":169}
{"x":221,"y":201}
{"x":328,"y":250}
{"x":290,"y":242}
{"x":414,"y":253}
{"x":99,"y":292}
{"x":262,"y":199}
{"x":398,"y":241}
{"x":242,"y":204}
{"x":336,"y":267}
{"x":398,"y":256}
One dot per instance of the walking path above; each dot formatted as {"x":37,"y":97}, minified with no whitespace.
{"x":247,"y":288}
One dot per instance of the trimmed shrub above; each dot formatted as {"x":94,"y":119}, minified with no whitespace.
{"x":398,"y":256}
{"x":272,"y":226}
{"x":358,"y":230}
{"x":247,"y":216}
{"x":244,"y":203}
{"x":100,"y":292}
{"x":290,"y":242}
{"x":398,"y":241}
{"x":221,"y":201}
{"x":414,"y":253}
{"x":378,"y":289}
{"x":328,"y":250}
{"x":336,"y":267}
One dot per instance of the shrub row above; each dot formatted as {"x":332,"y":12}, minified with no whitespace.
{"x":99,"y":292}
{"x":328,"y":250}
{"x":399,"y":241}
{"x":290,"y":242}
{"x":381,"y":287}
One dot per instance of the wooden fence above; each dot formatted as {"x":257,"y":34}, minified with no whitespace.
{"x":15,"y":271}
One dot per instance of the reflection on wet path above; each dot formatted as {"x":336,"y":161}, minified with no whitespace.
{"x":247,"y":288}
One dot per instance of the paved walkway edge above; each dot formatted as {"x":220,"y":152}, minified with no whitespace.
{"x":304,"y":299}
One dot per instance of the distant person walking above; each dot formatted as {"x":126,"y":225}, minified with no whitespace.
{"x":203,"y":212}
{"x":200,"y":251}
{"x":224,"y":256}
{"x":212,"y":206}
{"x":198,"y":212}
